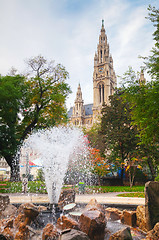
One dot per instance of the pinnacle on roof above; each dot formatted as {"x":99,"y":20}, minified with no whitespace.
{"x":102,"y":22}
{"x":102,"y":29}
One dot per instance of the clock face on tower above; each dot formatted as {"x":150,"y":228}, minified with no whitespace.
{"x":100,"y":69}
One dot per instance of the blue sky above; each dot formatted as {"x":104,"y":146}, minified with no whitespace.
{"x":67,"y":31}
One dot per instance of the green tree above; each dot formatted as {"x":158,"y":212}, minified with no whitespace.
{"x":120,"y":137}
{"x":34,"y":101}
{"x":99,"y":164}
{"x":152,"y":62}
{"x":12,"y":92}
{"x":94,"y":138}
{"x":144,"y":101}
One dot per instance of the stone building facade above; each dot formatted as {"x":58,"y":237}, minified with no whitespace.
{"x":104,"y":85}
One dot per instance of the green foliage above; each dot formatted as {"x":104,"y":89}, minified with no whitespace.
{"x":143,"y":102}
{"x":12,"y":94}
{"x":152,"y":62}
{"x":40,"y":175}
{"x":29,"y":102}
{"x":95,"y":139}
{"x":119,"y":134}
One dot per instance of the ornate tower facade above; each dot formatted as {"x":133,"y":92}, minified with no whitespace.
{"x":104,"y":78}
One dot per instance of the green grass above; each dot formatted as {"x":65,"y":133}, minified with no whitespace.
{"x":16,"y":187}
{"x":39,"y":187}
{"x":137,"y":194}
{"x":105,"y":189}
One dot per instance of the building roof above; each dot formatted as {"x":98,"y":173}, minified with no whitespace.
{"x":87,"y":107}
{"x":69,"y":113}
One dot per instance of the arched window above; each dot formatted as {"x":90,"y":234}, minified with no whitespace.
{"x":101,"y":55}
{"x":100,"y":93}
{"x":103,"y":92}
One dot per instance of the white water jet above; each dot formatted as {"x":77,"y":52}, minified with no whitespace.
{"x":54,"y":147}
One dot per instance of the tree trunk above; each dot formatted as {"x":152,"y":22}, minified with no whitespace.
{"x":13,"y":162}
{"x":99,"y":181}
{"x":15,"y":173}
{"x":152,"y":169}
{"x":122,"y":175}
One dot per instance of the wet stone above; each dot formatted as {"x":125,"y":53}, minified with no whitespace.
{"x":65,"y":223}
{"x":9,"y":211}
{"x":4,"y":201}
{"x":93,"y":223}
{"x":94,"y":205}
{"x":67,"y":196}
{"x":72,"y":234}
{"x":129,"y":218}
{"x":140,"y":218}
{"x":123,"y":234}
{"x":151,"y":204}
{"x":154,"y":233}
{"x":113,"y":213}
{"x":23,"y":233}
{"x":50,"y":232}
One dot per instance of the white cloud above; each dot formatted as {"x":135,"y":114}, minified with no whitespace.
{"x":68,"y":32}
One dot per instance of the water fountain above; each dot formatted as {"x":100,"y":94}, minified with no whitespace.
{"x":54,"y":146}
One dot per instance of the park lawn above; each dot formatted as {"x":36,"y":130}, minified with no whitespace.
{"x":106,"y":189}
{"x":136,"y":194}
{"x":16,"y":187}
{"x":39,"y":187}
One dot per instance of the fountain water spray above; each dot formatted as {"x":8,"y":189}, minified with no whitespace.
{"x":54,"y":146}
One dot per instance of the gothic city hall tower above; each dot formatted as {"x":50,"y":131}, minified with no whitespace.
{"x":104,"y":85}
{"x":104,"y":78}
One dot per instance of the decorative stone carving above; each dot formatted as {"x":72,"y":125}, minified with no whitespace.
{"x":151,"y":204}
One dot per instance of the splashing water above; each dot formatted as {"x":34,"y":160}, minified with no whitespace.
{"x":54,"y":147}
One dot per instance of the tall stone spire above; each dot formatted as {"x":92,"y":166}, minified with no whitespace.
{"x":79,"y":95}
{"x":104,"y":78}
{"x":78,"y":109}
{"x":142,"y":79}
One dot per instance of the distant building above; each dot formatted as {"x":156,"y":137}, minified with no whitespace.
{"x":104,"y":85}
{"x":4,"y":170}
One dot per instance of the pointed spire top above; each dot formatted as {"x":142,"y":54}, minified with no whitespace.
{"x":102,"y":28}
{"x":102,"y":22}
